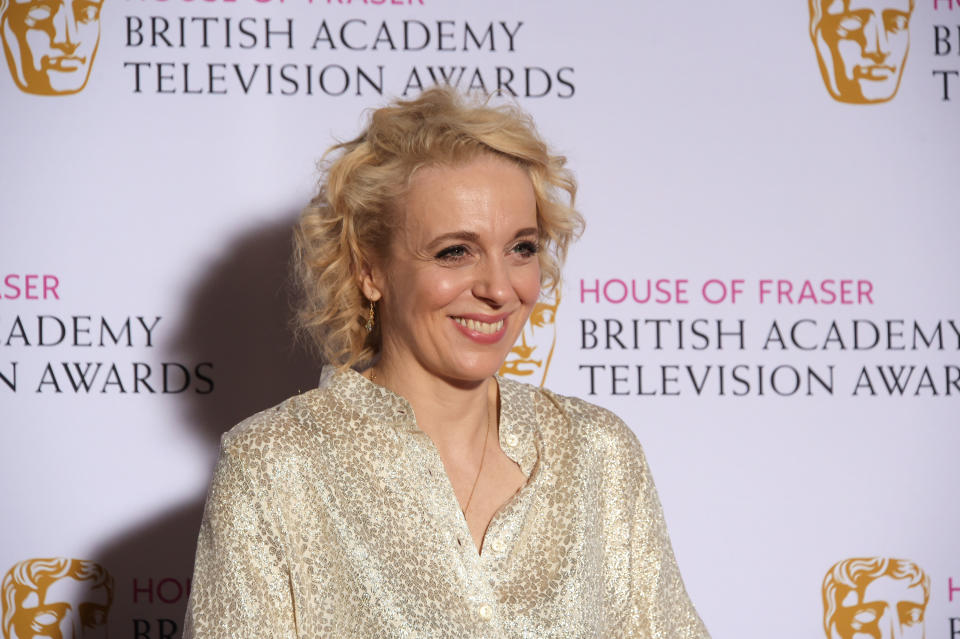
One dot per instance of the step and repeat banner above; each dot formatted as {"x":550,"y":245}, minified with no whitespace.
{"x":767,"y":290}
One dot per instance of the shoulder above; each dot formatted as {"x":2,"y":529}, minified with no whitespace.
{"x":283,"y":431}
{"x":579,"y":423}
{"x":586,"y":419}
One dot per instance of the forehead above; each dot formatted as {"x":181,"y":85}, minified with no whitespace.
{"x":72,"y":591}
{"x":486,"y":193}
{"x":844,"y":6}
{"x":887,"y":588}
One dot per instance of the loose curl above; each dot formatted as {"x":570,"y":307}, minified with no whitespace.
{"x":356,"y":209}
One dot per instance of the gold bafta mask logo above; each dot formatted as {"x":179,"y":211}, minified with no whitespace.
{"x":875,"y":598}
{"x":529,"y":359}
{"x":862,"y":46}
{"x":56,"y":599}
{"x":50,"y":44}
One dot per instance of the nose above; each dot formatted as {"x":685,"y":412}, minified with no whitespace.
{"x":875,"y":45}
{"x":493,"y":284}
{"x":890,"y":627}
{"x":65,"y":27}
{"x":70,"y":626}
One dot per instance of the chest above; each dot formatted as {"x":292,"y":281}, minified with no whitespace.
{"x":388,"y":541}
{"x":484,"y":491}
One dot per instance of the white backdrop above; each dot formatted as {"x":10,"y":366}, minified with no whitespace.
{"x":707,"y":148}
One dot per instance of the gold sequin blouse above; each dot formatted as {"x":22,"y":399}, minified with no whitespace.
{"x":331,"y":515}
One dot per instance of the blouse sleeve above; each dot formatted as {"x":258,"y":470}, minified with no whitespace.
{"x":241,"y":585}
{"x":661,"y":605}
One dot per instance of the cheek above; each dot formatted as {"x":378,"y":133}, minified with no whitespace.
{"x":527,"y":284}
{"x":431,"y":291}
{"x":38,"y":43}
{"x":446,"y":288}
{"x":899,"y":43}
{"x":850,"y":52}
{"x":89,"y":35}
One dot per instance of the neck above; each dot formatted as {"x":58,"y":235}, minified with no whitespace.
{"x":453,"y":414}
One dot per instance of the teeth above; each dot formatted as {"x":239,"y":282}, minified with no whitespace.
{"x":480,"y":327}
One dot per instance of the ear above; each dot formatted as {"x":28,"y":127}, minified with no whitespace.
{"x":370,"y":279}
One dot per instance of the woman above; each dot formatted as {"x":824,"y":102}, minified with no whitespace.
{"x":426,"y":497}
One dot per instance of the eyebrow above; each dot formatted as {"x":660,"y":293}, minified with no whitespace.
{"x":470,"y":236}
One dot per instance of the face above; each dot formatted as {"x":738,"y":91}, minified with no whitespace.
{"x":67,"y":608}
{"x":529,"y":359}
{"x":462,"y":273}
{"x":50,"y":44}
{"x":888,"y":609}
{"x":863,"y":46}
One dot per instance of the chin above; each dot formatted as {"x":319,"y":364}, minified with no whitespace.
{"x":478,"y":370}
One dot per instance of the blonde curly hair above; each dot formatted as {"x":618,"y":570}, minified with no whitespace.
{"x":354,"y":212}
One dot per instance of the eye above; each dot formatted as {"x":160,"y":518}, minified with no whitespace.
{"x":849,"y":25}
{"x":526,"y":248}
{"x":46,"y":619}
{"x":39,"y":13}
{"x":896,"y":21}
{"x":865,"y":616}
{"x":541,"y":316}
{"x":88,"y":12}
{"x":863,"y":619}
{"x":93,"y":615}
{"x":911,"y":614}
{"x":453,"y":253}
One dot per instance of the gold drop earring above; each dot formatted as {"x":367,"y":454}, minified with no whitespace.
{"x":369,"y":324}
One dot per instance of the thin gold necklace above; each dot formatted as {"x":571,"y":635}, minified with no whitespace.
{"x":483,"y":453}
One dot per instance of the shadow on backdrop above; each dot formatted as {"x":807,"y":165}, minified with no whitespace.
{"x":237,"y":317}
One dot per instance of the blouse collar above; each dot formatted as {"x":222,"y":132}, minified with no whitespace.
{"x":518,"y":413}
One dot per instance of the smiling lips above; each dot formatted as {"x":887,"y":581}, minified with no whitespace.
{"x":873,"y":72}
{"x":480,"y":331}
{"x":63,"y":63}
